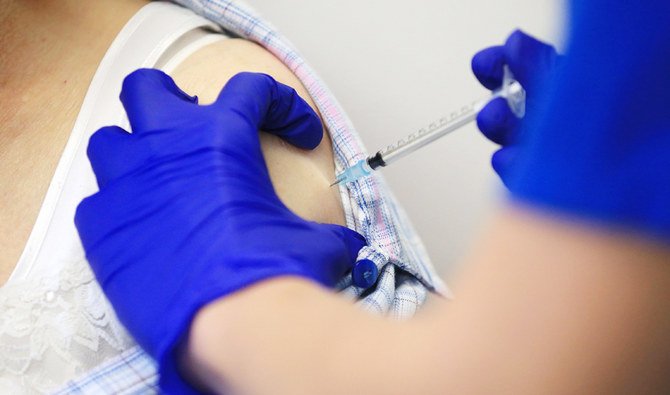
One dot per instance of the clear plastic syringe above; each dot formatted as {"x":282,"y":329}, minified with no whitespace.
{"x":510,"y":89}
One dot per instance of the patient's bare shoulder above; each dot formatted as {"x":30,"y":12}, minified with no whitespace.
{"x":301,"y":178}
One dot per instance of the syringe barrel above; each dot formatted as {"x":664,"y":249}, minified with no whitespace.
{"x":429,"y":134}
{"x":510,"y":89}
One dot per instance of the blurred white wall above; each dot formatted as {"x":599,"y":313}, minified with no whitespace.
{"x":397,"y":65}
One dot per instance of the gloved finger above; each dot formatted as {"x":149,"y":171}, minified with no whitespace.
{"x":339,"y":252}
{"x":487,"y":65}
{"x":503,"y":160}
{"x":151,"y":99}
{"x":354,"y":242}
{"x":272,"y":107}
{"x":110,"y":153}
{"x":528,"y":58}
{"x":497,"y":122}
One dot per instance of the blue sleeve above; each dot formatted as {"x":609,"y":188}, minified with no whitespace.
{"x":600,"y":148}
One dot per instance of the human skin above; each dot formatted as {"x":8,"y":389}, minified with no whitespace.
{"x":545,"y":306}
{"x":45,"y":72}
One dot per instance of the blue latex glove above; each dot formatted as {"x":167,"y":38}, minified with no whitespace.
{"x":600,"y":148}
{"x":531,"y":62}
{"x":186,"y":212}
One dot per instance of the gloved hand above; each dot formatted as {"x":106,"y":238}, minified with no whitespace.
{"x":600,"y":147}
{"x":186,"y":212}
{"x":532,"y":63}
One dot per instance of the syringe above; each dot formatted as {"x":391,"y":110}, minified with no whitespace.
{"x":510,"y":89}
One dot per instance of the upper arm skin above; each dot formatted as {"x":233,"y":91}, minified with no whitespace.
{"x":301,"y":178}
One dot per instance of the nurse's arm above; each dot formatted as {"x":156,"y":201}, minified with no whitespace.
{"x":544,"y":306}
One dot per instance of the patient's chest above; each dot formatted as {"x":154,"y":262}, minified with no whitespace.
{"x":35,"y":124}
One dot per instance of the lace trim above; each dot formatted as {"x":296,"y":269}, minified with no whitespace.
{"x":54,"y":328}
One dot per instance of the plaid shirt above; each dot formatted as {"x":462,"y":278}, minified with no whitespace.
{"x":405,"y":271}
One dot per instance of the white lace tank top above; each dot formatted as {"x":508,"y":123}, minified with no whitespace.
{"x":55,"y":323}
